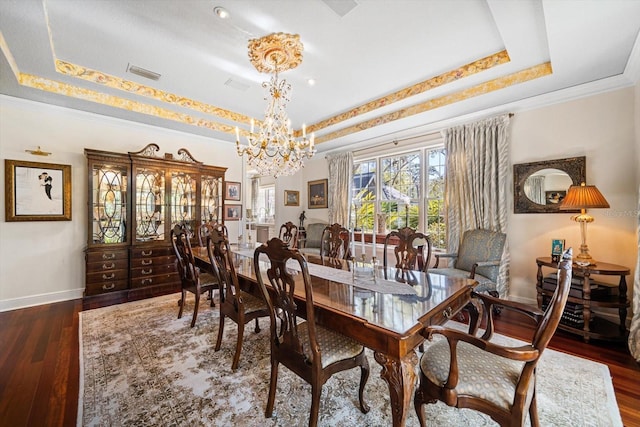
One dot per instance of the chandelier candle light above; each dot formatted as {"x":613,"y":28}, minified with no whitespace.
{"x":273,"y":149}
{"x":583,"y":197}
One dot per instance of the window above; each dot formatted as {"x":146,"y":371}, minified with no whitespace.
{"x":266,"y":204}
{"x":399,"y":190}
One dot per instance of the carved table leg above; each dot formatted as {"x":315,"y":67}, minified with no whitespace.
{"x":401,"y":377}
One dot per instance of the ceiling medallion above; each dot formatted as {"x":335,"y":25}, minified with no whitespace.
{"x":273,"y":150}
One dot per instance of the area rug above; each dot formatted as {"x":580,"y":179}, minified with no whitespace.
{"x":141,"y":366}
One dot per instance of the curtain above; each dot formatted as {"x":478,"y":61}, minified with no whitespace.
{"x":340,"y":176}
{"x":634,"y":333}
{"x":255,"y":189}
{"x":476,"y":184}
{"x":534,"y":189}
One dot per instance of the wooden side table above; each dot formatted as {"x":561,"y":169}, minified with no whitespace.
{"x":594,"y":326}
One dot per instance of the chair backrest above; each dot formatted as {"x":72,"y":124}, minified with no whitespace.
{"x":314,"y":235}
{"x":222,"y":265}
{"x":180,"y":240}
{"x":205,"y":230}
{"x":281,"y":303}
{"x":481,"y":245}
{"x":289,"y":234}
{"x":335,"y":242}
{"x":410,"y":249}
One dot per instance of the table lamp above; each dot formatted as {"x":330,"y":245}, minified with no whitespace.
{"x":583,"y":197}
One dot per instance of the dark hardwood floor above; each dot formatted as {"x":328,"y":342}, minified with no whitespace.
{"x":39,"y":367}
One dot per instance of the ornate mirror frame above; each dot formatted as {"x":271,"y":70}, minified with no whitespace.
{"x":575,"y":167}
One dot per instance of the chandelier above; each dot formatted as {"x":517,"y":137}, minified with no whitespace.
{"x":273,"y":149}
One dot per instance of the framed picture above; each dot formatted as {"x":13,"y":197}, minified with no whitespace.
{"x":232,"y":190}
{"x":317,"y":192}
{"x":37,"y":191}
{"x":232,"y":212}
{"x":557,"y":247}
{"x":291,"y":198}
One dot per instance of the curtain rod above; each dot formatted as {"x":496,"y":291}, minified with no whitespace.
{"x":396,"y":141}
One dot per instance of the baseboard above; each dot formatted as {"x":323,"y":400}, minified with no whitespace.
{"x":32,"y":300}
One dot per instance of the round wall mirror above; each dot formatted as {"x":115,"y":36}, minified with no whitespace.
{"x":539,"y":187}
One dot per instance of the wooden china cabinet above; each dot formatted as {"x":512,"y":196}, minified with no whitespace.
{"x":135,"y":199}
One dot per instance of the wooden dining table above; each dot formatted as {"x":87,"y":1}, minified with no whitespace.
{"x":387,"y":323}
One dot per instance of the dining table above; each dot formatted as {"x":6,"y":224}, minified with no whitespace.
{"x":384,"y":309}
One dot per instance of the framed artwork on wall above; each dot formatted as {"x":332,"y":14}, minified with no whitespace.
{"x":232,"y":212}
{"x":232,"y":190}
{"x":291,"y":198}
{"x":317,"y":193}
{"x":37,"y":191}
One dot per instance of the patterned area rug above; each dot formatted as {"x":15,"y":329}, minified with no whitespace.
{"x":140,"y":366}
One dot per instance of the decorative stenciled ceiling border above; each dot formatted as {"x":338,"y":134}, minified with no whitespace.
{"x":467,"y":70}
{"x":531,"y":73}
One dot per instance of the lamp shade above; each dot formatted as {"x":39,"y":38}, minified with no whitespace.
{"x":583,"y":197}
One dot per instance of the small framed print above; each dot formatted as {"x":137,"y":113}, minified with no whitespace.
{"x":557,"y":247}
{"x":232,"y":212}
{"x":291,"y":198}
{"x":37,"y":191}
{"x":232,"y":190}
{"x":317,"y":193}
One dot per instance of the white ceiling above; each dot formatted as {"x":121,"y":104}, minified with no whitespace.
{"x":377,"y":48}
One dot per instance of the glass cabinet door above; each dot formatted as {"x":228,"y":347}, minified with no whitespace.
{"x":109,"y":204}
{"x":149,"y":205}
{"x":183,"y":200}
{"x":210,"y":199}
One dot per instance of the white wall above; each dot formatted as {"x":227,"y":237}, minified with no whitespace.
{"x":44,"y":261}
{"x":602,"y":129}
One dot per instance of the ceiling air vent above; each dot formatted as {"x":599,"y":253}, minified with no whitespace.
{"x":142,"y":72}
{"x":236,"y":85}
{"x":341,"y":7}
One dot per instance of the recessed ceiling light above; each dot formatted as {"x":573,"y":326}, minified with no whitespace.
{"x":311,"y":82}
{"x":221,"y":12}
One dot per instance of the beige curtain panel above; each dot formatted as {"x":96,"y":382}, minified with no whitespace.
{"x":476,"y":184}
{"x":340,"y":174}
{"x":634,"y":333}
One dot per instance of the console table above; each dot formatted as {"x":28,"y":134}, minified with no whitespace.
{"x":594,"y":326}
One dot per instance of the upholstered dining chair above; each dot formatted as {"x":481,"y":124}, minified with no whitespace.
{"x":205,"y":229}
{"x":478,"y":258}
{"x":335,"y":242}
{"x":411,"y":252}
{"x":191,"y":278}
{"x":235,"y":304}
{"x":289,"y":234}
{"x":466,"y":371}
{"x":309,"y":350}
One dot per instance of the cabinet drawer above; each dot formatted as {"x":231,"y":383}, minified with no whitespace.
{"x":152,"y":251}
{"x":107,"y":276}
{"x":152,"y":270}
{"x":105,"y":287}
{"x":103,"y":266}
{"x":441,"y":314}
{"x":138,"y":282}
{"x":156,"y":261}
{"x":107,"y":255}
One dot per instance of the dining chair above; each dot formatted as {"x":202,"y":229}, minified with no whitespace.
{"x":235,"y":304}
{"x":335,"y":242}
{"x":478,"y":258}
{"x":466,"y":371}
{"x":205,"y":229}
{"x":191,"y":278}
{"x":311,"y":351}
{"x":289,"y":234}
{"x":411,"y":252}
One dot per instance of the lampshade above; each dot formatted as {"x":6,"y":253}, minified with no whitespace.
{"x":583,"y":197}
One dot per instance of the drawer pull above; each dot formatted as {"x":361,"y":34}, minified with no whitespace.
{"x":109,"y":267}
{"x":147,"y":253}
{"x":447,"y":313}
{"x":149,"y":271}
{"x":108,"y":287}
{"x":109,"y":277}
{"x":108,"y":256}
{"x":147,"y":261}
{"x":147,"y":282}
